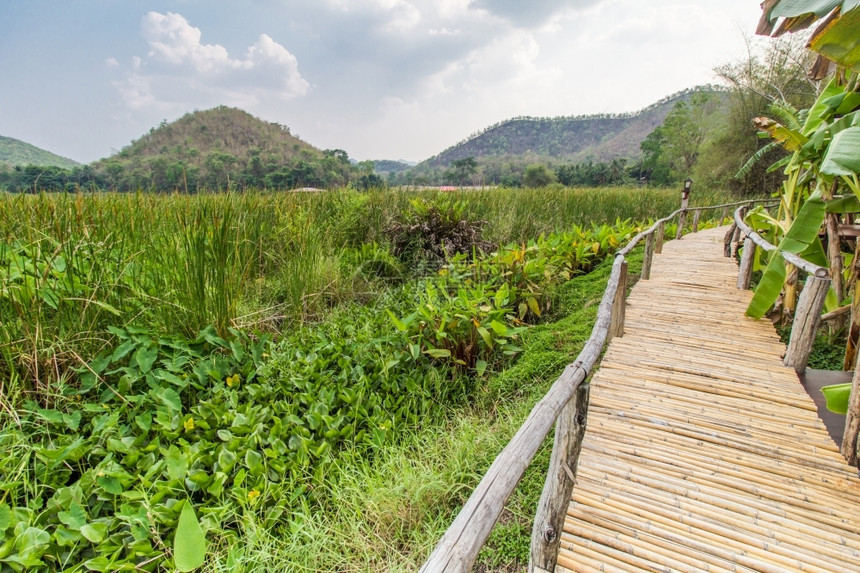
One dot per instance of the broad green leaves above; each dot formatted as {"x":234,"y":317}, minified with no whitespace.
{"x":843,"y":153}
{"x":801,"y":239}
{"x":189,"y":545}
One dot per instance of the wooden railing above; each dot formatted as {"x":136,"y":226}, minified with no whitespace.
{"x":566,"y":405}
{"x":807,"y":315}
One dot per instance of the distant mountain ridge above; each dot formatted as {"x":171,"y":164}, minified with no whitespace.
{"x":572,"y":138}
{"x":16,"y":152}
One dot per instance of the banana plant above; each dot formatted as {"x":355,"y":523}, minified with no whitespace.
{"x":831,"y":152}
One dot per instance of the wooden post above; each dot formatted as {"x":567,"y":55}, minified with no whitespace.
{"x":696,"y":216}
{"x":727,"y":240}
{"x":736,"y":239}
{"x":806,"y":319}
{"x":685,"y":201}
{"x":616,"y":320}
{"x":851,"y":438}
{"x":661,"y":231}
{"x":648,"y":257}
{"x":560,"y":479}
{"x":746,"y":267}
{"x":723,"y":216}
{"x":854,"y":325}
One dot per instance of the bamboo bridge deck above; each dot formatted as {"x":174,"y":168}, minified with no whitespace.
{"x":703,"y":452}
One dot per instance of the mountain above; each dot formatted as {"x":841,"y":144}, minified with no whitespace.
{"x":385,"y":166}
{"x":16,"y":152}
{"x":574,"y":139}
{"x":219,"y":148}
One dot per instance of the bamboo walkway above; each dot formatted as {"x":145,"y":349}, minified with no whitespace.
{"x":703,"y":452}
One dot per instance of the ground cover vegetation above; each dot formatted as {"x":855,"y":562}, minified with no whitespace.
{"x":226,"y":381}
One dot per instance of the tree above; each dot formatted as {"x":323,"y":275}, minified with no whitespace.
{"x":462,"y":170}
{"x":537,"y":175}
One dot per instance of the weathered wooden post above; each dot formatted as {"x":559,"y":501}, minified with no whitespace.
{"x":727,"y":240}
{"x":851,"y":438}
{"x":616,"y":319}
{"x":696,"y":216}
{"x":648,"y":256}
{"x":806,"y":319}
{"x":723,"y":216}
{"x":685,"y":200}
{"x":746,"y":267}
{"x":555,"y":498}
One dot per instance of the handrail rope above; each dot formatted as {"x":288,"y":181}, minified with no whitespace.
{"x":811,"y":268}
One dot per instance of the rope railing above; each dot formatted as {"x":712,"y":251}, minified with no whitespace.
{"x":566,"y":405}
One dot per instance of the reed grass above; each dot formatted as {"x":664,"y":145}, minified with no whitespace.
{"x":71,"y":265}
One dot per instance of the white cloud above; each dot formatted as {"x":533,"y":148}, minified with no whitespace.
{"x":180,"y":72}
{"x":112,"y":62}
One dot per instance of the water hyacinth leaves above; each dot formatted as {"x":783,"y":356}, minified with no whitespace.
{"x":189,"y":545}
{"x":802,"y":240}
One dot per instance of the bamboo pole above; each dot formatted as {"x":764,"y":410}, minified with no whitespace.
{"x":806,"y":320}
{"x":648,"y":257}
{"x":746,"y":267}
{"x":560,"y":479}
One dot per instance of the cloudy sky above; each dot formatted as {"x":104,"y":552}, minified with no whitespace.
{"x":396,"y":79}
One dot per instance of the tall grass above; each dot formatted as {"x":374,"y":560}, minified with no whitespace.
{"x":73,"y":265}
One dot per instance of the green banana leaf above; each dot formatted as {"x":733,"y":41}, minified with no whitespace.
{"x":836,"y":396}
{"x":843,"y":153}
{"x":792,"y":8}
{"x":821,"y":109}
{"x":839,"y":41}
{"x":769,"y":287}
{"x":802,"y":240}
{"x":846,"y":204}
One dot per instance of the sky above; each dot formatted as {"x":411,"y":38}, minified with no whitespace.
{"x":380,"y":79}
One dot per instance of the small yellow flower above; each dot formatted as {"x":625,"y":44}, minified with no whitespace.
{"x":253,"y":494}
{"x":189,"y":424}
{"x":231,"y":380}
{"x":265,"y":355}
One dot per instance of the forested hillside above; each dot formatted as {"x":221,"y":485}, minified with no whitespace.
{"x":576,"y":138}
{"x":16,"y":152}
{"x":222,"y":148}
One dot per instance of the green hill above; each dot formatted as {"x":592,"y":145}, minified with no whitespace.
{"x":16,"y":152}
{"x":219,"y":148}
{"x":574,"y":139}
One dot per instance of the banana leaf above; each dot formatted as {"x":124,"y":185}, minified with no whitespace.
{"x":801,"y":239}
{"x":793,"y":8}
{"x":821,"y":109}
{"x":846,"y":204}
{"x":839,"y":40}
{"x":843,"y":153}
{"x":836,"y":396}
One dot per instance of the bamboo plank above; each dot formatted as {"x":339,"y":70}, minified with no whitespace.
{"x":703,"y":451}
